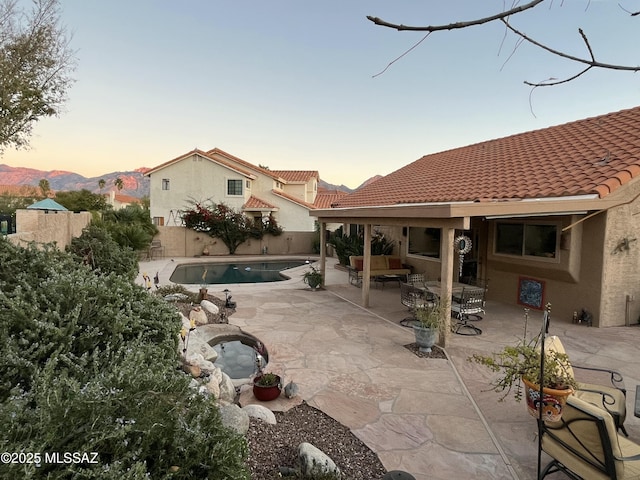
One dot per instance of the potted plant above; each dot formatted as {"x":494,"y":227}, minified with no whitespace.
{"x":312,"y":277}
{"x":520,"y":364}
{"x":429,"y":323}
{"x":267,"y":386}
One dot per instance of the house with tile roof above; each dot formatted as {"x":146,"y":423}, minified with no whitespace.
{"x":220,"y":177}
{"x":553,"y":216}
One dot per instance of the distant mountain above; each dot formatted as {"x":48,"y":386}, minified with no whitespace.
{"x":134,"y":182}
{"x":344,"y":188}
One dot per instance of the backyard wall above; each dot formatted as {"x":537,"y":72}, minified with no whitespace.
{"x":45,"y":226}
{"x":184,"y":242}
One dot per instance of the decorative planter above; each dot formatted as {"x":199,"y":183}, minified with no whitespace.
{"x":425,"y":337}
{"x":313,"y":281}
{"x":553,"y":401}
{"x":266,"y":393}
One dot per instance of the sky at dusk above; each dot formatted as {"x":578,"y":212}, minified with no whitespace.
{"x":291,"y":84}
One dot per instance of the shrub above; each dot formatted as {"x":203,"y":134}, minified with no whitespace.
{"x":89,"y":364}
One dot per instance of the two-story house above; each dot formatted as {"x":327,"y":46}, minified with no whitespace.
{"x":217,"y":176}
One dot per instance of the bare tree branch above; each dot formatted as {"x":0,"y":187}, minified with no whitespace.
{"x":456,"y":25}
{"x":503,"y":17}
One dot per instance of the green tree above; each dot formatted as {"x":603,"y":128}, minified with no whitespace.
{"x":101,"y":184}
{"x":118,"y":183}
{"x":221,"y":221}
{"x":130,"y":226}
{"x":36,"y":63}
{"x":82,"y":200}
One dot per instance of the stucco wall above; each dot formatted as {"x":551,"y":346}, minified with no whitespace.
{"x":621,"y":265}
{"x":183,"y":242}
{"x":42,"y":227}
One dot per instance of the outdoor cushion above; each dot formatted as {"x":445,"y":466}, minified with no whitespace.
{"x":395,"y":263}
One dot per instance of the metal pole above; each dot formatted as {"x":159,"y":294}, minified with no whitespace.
{"x":543,"y":332}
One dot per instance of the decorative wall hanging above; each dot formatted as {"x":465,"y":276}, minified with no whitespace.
{"x":531,"y":292}
{"x":462,"y":245}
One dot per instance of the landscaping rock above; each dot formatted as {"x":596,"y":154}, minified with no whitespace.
{"x":227,"y":390}
{"x":314,"y":461}
{"x":235,"y":418}
{"x":210,"y":307}
{"x":261,"y":413}
{"x":198,"y":316}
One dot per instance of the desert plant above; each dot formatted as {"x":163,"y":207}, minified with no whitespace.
{"x":267,"y":380}
{"x":523,"y":360}
{"x":312,"y":277}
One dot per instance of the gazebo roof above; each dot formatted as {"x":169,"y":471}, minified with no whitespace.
{"x":47,"y":204}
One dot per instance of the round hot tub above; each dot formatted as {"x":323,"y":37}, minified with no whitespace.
{"x":240,"y":355}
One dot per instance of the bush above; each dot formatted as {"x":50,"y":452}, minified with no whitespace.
{"x":97,"y":249}
{"x":89,"y":363}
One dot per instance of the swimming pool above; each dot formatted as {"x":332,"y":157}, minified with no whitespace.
{"x":233,"y":272}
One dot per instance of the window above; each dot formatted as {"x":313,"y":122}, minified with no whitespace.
{"x":165,"y":184}
{"x":526,"y":239}
{"x":424,"y":242}
{"x":234,"y":187}
{"x":158,"y":221}
{"x":247,"y":185}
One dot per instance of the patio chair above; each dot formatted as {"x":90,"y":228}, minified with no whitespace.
{"x":416,"y":279}
{"x":470,"y":303}
{"x":414,"y":297}
{"x":611,"y":398}
{"x":585,"y":444}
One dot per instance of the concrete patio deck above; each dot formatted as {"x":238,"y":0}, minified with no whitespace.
{"x":430,"y":417}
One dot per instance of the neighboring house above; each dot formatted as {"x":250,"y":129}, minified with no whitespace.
{"x":553,"y":215}
{"x":217,"y":176}
{"x":119,"y":200}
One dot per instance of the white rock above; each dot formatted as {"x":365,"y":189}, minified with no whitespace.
{"x":314,"y":461}
{"x":260,"y":412}
{"x":210,"y":307}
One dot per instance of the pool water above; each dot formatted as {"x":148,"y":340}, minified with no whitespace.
{"x":237,"y":272}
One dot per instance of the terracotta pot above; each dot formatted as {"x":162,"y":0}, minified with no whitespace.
{"x":266,"y":393}
{"x":553,"y":401}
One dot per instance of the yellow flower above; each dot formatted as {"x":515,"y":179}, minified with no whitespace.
{"x":183,"y":333}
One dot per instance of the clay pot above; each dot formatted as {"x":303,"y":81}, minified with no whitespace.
{"x":553,"y":401}
{"x":265,"y":393}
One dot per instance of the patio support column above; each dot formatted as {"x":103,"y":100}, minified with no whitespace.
{"x":323,"y":252}
{"x":366,"y":268}
{"x":446,"y":277}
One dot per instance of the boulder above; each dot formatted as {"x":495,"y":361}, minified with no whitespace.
{"x":227,"y":389}
{"x":313,"y":461}
{"x":234,"y":418}
{"x":261,"y":413}
{"x":197,"y":343}
{"x":199,"y":316}
{"x":210,"y":307}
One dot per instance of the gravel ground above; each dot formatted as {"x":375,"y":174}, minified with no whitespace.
{"x":272,"y":446}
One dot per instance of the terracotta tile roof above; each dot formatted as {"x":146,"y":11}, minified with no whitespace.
{"x":297,"y":176}
{"x":256,"y":203}
{"x":591,"y":156}
{"x":244,"y":163}
{"x":293,"y":199}
{"x":325,"y":197}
